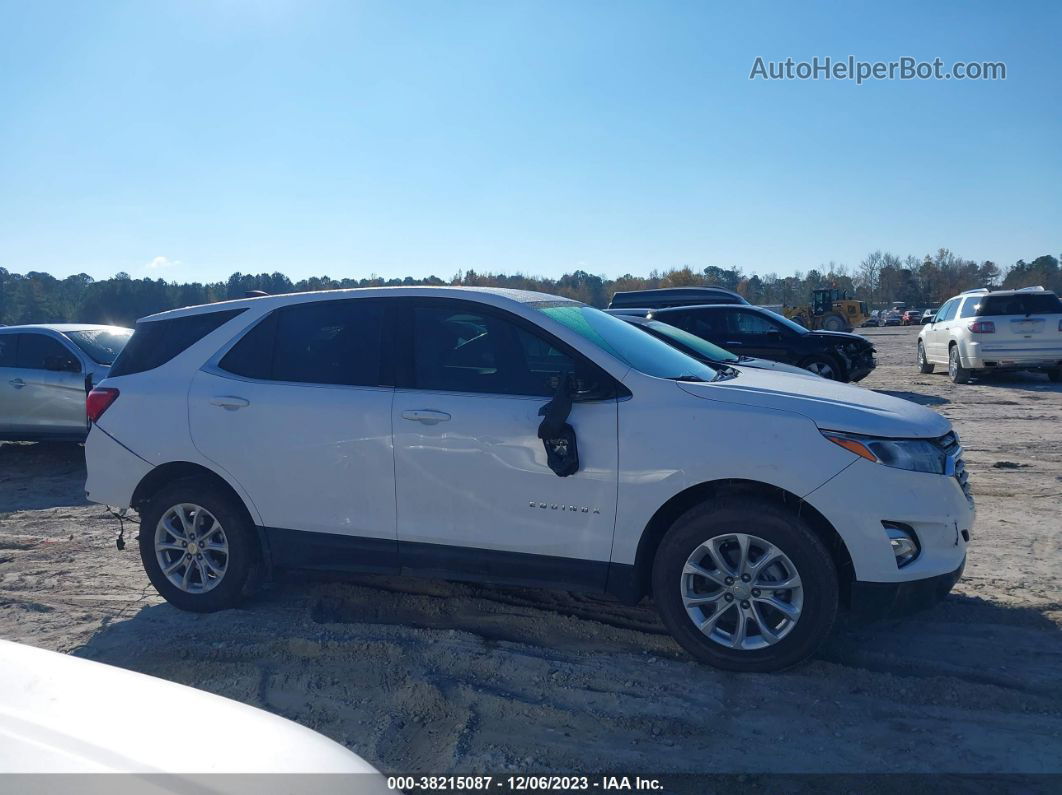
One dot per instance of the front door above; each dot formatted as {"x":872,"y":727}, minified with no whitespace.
{"x":475,"y":494}
{"x":45,"y":390}
{"x":757,"y":335}
{"x":938,"y":336}
{"x":298,"y":413}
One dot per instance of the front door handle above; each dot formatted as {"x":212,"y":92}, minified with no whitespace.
{"x":230,"y":402}
{"x":17,"y":383}
{"x":427,"y":416}
{"x":733,"y":342}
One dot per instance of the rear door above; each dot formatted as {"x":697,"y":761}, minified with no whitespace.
{"x":298,"y":412}
{"x":475,"y":492}
{"x":45,"y":388}
{"x":10,"y":394}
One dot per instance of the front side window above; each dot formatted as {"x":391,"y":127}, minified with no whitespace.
{"x":8,"y":346}
{"x":750,"y":324}
{"x":40,"y":352}
{"x":321,"y":342}
{"x":462,"y":350}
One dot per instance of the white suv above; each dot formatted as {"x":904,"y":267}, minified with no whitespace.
{"x":520,"y":438}
{"x":998,"y":330}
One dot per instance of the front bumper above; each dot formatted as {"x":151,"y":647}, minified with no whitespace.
{"x":875,"y":600}
{"x":936,"y":507}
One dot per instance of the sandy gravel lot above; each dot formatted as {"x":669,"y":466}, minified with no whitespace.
{"x":439,"y":677}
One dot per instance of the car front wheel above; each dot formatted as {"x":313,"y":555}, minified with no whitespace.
{"x":196,"y":546}
{"x":745,"y":586}
{"x":821,"y":365}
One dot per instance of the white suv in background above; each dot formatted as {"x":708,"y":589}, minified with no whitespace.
{"x":519,"y":438}
{"x":998,"y":330}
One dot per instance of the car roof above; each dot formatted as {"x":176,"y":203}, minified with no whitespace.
{"x":60,"y":327}
{"x":709,"y":306}
{"x":497,"y":296}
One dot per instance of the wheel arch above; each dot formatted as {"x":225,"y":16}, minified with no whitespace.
{"x":670,"y":511}
{"x":165,"y":474}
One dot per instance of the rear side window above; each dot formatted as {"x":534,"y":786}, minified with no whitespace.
{"x":1022,"y":304}
{"x":321,"y":342}
{"x":155,"y":342}
{"x":969,"y":308}
{"x":8,"y":346}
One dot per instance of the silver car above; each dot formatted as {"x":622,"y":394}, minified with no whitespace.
{"x":46,"y":372}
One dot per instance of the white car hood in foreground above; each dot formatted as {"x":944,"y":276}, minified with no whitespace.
{"x":62,"y":714}
{"x":829,"y":404}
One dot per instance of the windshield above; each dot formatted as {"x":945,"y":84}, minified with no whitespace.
{"x":641,"y":351}
{"x":102,"y":345}
{"x":692,"y":342}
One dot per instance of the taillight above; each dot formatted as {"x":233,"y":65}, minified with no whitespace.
{"x":983,"y":327}
{"x":98,"y":401}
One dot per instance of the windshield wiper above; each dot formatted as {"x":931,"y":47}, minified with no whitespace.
{"x":692,"y":379}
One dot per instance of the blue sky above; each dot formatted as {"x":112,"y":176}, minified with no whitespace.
{"x":187,"y":140}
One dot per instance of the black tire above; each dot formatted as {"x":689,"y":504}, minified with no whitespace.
{"x":823,"y":366}
{"x":773,"y":524}
{"x":238,"y":531}
{"x":832,"y":321}
{"x":1055,"y":374}
{"x":958,"y":373}
{"x":924,"y":365}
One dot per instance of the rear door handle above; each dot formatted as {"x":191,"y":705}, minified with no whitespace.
{"x":17,"y":383}
{"x":230,"y":402}
{"x":427,"y":416}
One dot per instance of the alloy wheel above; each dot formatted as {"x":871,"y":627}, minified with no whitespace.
{"x":821,"y":368}
{"x":741,"y":591}
{"x":191,"y":548}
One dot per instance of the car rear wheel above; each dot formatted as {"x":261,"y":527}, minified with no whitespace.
{"x":745,"y":586}
{"x":958,"y":373}
{"x":924,"y":365}
{"x":822,"y":365}
{"x":196,"y":545}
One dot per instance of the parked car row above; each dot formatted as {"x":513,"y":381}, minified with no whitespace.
{"x":520,"y":438}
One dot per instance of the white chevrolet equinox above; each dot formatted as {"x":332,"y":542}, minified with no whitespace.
{"x":519,"y":438}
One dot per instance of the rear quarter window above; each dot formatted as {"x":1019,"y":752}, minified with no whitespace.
{"x":155,"y":342}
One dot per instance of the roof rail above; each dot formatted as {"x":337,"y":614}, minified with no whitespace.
{"x":977,"y":290}
{"x":1038,"y":289}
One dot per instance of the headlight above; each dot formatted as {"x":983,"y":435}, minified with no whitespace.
{"x":916,"y":455}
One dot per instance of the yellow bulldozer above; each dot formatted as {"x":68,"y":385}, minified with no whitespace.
{"x":830,"y":310}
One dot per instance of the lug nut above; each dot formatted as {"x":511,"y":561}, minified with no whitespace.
{"x":755,"y":591}
{"x":729,"y":580}
{"x":729,"y":597}
{"x":744,"y":603}
{"x":184,"y":543}
{"x":198,"y":557}
{"x":745,"y":578}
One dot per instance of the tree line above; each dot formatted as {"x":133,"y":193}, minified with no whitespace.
{"x":879,"y":279}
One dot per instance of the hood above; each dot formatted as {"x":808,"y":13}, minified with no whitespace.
{"x":62,"y":714}
{"x":778,"y":367}
{"x":829,"y":404}
{"x":841,"y":337}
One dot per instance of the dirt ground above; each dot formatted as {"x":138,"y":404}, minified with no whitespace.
{"x":439,"y":677}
